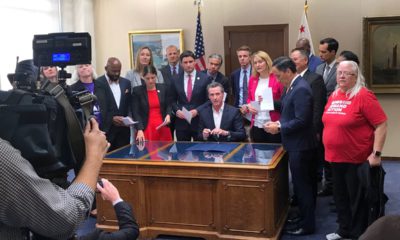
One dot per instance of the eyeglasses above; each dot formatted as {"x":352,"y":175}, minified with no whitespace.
{"x":339,"y":73}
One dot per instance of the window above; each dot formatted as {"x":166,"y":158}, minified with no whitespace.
{"x":19,"y":21}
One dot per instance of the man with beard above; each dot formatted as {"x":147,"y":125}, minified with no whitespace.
{"x":118,"y":103}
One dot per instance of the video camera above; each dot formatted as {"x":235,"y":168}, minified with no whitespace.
{"x":41,"y":122}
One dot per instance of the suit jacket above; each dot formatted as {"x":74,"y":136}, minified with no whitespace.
{"x":319,"y":97}
{"x":222,"y":79}
{"x":179,"y":99}
{"x":314,"y":62}
{"x":102,"y":95}
{"x":231,"y":121}
{"x":128,"y":228}
{"x":140,"y":104}
{"x":235,"y":82}
{"x":166,"y":73}
{"x":330,"y":82}
{"x":125,"y":101}
{"x":296,"y":117}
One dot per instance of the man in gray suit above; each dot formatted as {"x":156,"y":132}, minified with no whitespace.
{"x":327,"y":51}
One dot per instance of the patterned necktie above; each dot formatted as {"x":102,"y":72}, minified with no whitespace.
{"x":245,"y":90}
{"x":326,"y":73}
{"x":189,"y":88}
{"x":174,"y":73}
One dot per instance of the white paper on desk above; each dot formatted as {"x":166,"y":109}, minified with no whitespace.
{"x":128,"y":121}
{"x":267,"y":103}
{"x":187,"y":114}
{"x":162,"y":124}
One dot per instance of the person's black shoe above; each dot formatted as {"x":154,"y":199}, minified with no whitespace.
{"x":299,"y":232}
{"x":324,"y":192}
{"x":293,"y":220}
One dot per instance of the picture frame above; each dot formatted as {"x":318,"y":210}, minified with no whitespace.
{"x":157,"y":41}
{"x":381,"y":53}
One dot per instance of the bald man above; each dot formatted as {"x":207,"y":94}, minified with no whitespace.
{"x":313,"y":61}
{"x":116,"y":93}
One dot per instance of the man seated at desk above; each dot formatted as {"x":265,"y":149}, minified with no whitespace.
{"x":219,"y":121}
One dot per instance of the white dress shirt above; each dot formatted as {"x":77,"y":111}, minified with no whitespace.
{"x":217,"y":115}
{"x":115,"y":89}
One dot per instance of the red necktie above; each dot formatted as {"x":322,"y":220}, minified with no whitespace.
{"x":189,"y":88}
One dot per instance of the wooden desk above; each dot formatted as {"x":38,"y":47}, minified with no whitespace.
{"x":242,"y":194}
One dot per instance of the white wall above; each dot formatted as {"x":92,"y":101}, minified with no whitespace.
{"x":341,"y":19}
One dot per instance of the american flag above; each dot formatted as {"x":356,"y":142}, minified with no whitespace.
{"x":199,"y":46}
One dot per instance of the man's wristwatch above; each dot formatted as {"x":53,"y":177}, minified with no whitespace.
{"x":377,"y":153}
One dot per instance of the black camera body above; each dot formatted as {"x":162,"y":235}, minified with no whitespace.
{"x":62,"y":49}
{"x":46,"y":124}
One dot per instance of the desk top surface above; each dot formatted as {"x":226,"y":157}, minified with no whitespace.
{"x":200,"y":152}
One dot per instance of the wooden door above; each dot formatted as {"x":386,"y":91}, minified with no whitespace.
{"x":270,"y":38}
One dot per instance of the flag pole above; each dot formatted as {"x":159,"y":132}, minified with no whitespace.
{"x":305,"y":8}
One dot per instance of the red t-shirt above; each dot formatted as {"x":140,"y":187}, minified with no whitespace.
{"x":349,"y":126}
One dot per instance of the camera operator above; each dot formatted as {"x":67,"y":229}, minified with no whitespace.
{"x":30,"y":202}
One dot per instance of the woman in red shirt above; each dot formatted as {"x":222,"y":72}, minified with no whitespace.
{"x":151,"y":108}
{"x":354,"y":133}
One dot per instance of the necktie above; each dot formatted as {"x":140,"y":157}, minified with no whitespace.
{"x":245,"y":90}
{"x":326,"y":73}
{"x":174,"y":73}
{"x":189,"y":88}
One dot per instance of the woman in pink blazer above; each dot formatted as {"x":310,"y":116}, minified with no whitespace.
{"x":262,"y":80}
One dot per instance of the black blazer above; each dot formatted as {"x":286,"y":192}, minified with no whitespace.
{"x":124,"y":104}
{"x":140,"y":104}
{"x":235,"y":82}
{"x":231,"y":121}
{"x":179,"y":100}
{"x":102,"y":96}
{"x":166,"y":72}
{"x":296,"y":117}
{"x":319,"y":97}
{"x":220,"y":78}
{"x":128,"y":228}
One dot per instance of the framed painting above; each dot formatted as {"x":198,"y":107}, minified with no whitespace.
{"x":157,"y":41}
{"x":381,"y":54}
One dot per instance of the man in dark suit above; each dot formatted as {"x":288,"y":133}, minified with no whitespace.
{"x":240,"y":77}
{"x":128,"y":228}
{"x":300,"y":58}
{"x":327,"y":51}
{"x":170,"y":72}
{"x":214,"y":64}
{"x":219,"y":121}
{"x":118,"y":101}
{"x":173,"y":68}
{"x":189,"y":92}
{"x":313,"y":61}
{"x":298,"y":139}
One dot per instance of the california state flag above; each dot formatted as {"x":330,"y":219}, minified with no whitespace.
{"x":304,"y":30}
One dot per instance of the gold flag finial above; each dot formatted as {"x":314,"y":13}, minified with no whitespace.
{"x":305,"y":6}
